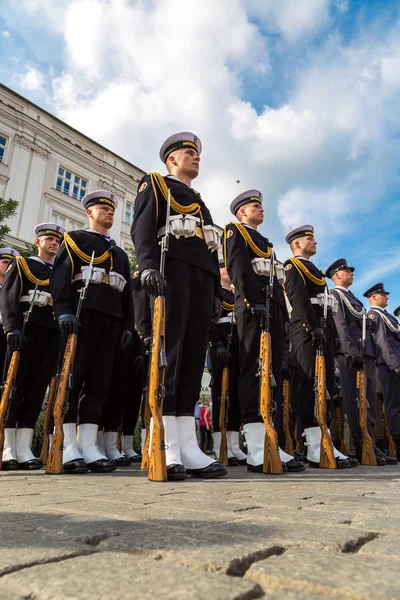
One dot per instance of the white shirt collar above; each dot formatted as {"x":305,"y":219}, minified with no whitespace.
{"x":177,"y":179}
{"x":108,"y":237}
{"x":379,"y":308}
{"x":249,"y":226}
{"x":340,"y":287}
{"x":302,"y":258}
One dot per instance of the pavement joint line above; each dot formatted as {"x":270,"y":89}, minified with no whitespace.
{"x":353,"y":546}
{"x":46,"y":561}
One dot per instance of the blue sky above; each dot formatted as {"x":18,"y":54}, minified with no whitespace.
{"x":298,"y":99}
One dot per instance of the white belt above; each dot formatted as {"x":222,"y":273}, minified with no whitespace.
{"x":41,"y":299}
{"x":113,"y":279}
{"x":225,"y":320}
{"x":320,"y":301}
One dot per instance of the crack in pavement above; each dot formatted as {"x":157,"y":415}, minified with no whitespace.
{"x":353,"y":546}
{"x":45,"y":561}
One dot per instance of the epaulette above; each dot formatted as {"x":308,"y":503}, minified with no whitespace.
{"x":23,"y":268}
{"x":72,"y":246}
{"x":304,"y":272}
{"x":159,"y":185}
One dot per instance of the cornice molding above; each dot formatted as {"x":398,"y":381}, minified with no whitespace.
{"x":21,"y":140}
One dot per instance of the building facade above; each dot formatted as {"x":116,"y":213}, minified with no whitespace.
{"x":47,"y":166}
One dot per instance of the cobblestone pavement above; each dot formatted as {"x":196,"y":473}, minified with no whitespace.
{"x":313,"y":535}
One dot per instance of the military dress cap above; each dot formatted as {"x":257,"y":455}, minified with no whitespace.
{"x":245,"y":198}
{"x":49,"y":229}
{"x":338,"y":265}
{"x":8,"y":253}
{"x":100,"y":197}
{"x":299,"y":232}
{"x":397,"y":312}
{"x":379,"y":288}
{"x":185,"y":139}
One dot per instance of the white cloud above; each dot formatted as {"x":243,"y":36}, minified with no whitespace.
{"x":387,"y":264}
{"x":32,"y":79}
{"x":5,"y":34}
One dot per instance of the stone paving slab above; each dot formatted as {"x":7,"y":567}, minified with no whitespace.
{"x":117,"y":575}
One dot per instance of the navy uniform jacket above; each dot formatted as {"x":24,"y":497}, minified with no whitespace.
{"x":150,"y":216}
{"x":100,"y":297}
{"x":219,"y":332}
{"x":299,"y":289}
{"x":18,"y":282}
{"x":387,"y":342}
{"x":141,"y":306}
{"x":249,"y":287}
{"x":349,"y":327}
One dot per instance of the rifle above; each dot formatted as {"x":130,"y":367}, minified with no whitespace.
{"x":54,"y":464}
{"x":327,"y":457}
{"x":46,"y":423}
{"x":146,"y":418}
{"x":272,"y":461}
{"x":224,"y":406}
{"x":158,"y":364}
{"x":367,"y":454}
{"x":286,"y":417}
{"x":8,"y":390}
{"x":388,"y":436}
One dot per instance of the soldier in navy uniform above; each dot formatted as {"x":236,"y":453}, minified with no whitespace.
{"x":41,"y":339}
{"x":192,"y":292}
{"x":348,"y":320}
{"x":386,"y":334}
{"x":6,"y":255}
{"x":247,"y":255}
{"x":220,"y":357}
{"x":305,"y":285}
{"x":105,"y":325}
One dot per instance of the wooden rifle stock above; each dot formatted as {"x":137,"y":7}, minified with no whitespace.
{"x":146,"y":417}
{"x":272,"y":460}
{"x":390,"y":442}
{"x":157,"y":461}
{"x":223,"y":451}
{"x":55,"y":463}
{"x":44,"y":454}
{"x":7,"y":396}
{"x":327,"y":457}
{"x":367,"y":455}
{"x":286,"y":417}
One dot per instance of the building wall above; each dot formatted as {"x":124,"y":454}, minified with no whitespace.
{"x":37,"y":146}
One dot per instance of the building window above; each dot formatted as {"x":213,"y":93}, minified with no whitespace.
{"x":68,"y":224}
{"x":3,"y":142}
{"x":128,"y":213}
{"x":70,"y":184}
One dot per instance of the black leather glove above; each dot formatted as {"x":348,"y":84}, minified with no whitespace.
{"x":147,"y":344}
{"x":68,"y":324}
{"x":15,"y":340}
{"x":126,"y":339}
{"x":397,"y":371}
{"x":371,"y":324}
{"x":223,"y":355}
{"x":286,"y":328}
{"x":217,"y":310}
{"x":318,"y":337}
{"x":285,"y":373}
{"x":259,"y":311}
{"x":152,"y":282}
{"x":357,"y":362}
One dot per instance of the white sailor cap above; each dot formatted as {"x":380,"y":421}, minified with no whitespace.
{"x":185,"y":139}
{"x":245,"y":198}
{"x":8,"y":253}
{"x":299,"y":232}
{"x":100,"y":197}
{"x":49,"y":229}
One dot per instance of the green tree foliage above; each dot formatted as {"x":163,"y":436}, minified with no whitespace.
{"x":29,"y":250}
{"x":132,"y":259}
{"x":8,"y":209}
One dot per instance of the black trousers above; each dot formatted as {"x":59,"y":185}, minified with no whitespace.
{"x":234,"y":415}
{"x":124,"y":399}
{"x":98,"y":341}
{"x":36,"y":367}
{"x":348,"y":384}
{"x":249,"y":349}
{"x":390,"y":384}
{"x":3,"y":352}
{"x":305,"y":356}
{"x":189,"y":300}
{"x":205,"y":439}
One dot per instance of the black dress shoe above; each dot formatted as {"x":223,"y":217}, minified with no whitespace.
{"x":259,"y":468}
{"x":242,"y":461}
{"x":213,"y":470}
{"x":75,"y":467}
{"x":136,"y":458}
{"x":341,"y":463}
{"x":233,"y":461}
{"x":294,"y":466}
{"x":31,"y":465}
{"x":352,"y":460}
{"x":389,"y":460}
{"x":176,"y":472}
{"x":103,"y":465}
{"x":123,"y":461}
{"x":10,"y":465}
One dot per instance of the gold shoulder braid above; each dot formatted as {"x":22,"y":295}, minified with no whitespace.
{"x":301,"y":267}
{"x":22,"y":264}
{"x":249,"y":241}
{"x":71,"y":245}
{"x":158,"y":181}
{"x":227,"y":306}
